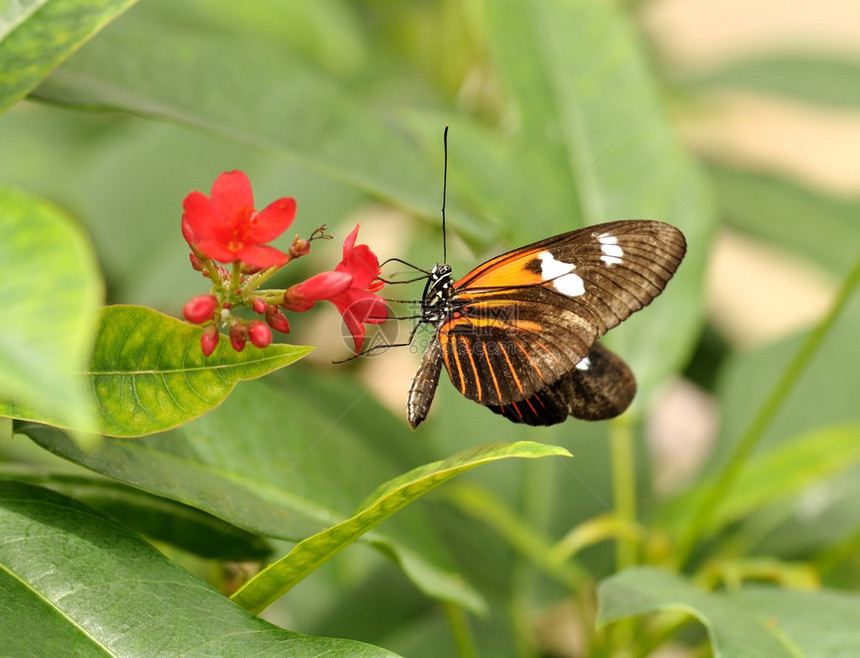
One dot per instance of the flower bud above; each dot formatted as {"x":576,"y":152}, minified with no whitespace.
{"x":300,"y":247}
{"x":209,"y":339}
{"x":259,"y":334}
{"x":277,"y":320}
{"x":238,"y":336}
{"x":200,"y":309}
{"x":259,"y":305}
{"x":324,"y":285}
{"x":196,"y":263}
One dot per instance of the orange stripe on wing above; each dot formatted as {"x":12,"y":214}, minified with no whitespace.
{"x":474,"y":368}
{"x":532,"y":363}
{"x":492,"y":373}
{"x":511,"y":366}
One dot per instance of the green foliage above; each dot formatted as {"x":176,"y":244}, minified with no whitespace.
{"x":147,"y":373}
{"x":557,"y":119}
{"x":93,"y":588}
{"x":44,"y":347}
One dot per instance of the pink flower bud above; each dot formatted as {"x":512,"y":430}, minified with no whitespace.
{"x":196,"y":263}
{"x":277,"y":320}
{"x":238,"y":336}
{"x":259,"y":334}
{"x":300,"y":247}
{"x":259,"y":305}
{"x":209,"y":339}
{"x":200,"y":309}
{"x":324,"y":285}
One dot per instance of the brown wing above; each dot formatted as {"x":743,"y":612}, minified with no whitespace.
{"x":525,"y":319}
{"x":598,"y":388}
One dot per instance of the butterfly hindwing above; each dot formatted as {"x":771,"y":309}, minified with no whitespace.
{"x":598,"y":388}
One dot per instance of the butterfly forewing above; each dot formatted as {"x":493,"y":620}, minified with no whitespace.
{"x":526,"y":318}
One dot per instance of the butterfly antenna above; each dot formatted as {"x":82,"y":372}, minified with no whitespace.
{"x":444,"y":196}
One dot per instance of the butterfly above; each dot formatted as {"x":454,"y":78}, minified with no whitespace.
{"x":518,"y":334}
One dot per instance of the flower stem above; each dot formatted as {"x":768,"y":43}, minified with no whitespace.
{"x":703,"y":516}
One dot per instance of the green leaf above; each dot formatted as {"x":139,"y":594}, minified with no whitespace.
{"x":170,"y":76}
{"x":276,"y":579}
{"x":779,"y":211}
{"x":92,"y":588}
{"x":813,"y":77}
{"x":148,"y":373}
{"x":49,"y":294}
{"x":36,"y":35}
{"x":774,"y":476}
{"x":264,"y":461}
{"x":152,"y":516}
{"x":620,"y":159}
{"x":755,"y":621}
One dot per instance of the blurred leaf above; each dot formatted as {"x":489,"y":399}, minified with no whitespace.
{"x":813,"y":402}
{"x":275,"y":580}
{"x":36,"y":35}
{"x":148,"y":373}
{"x":813,"y":77}
{"x":566,"y":65}
{"x":483,"y":505}
{"x":285,"y":463}
{"x":776,"y":475}
{"x":155,"y":517}
{"x":817,"y":226}
{"x":92,"y":588}
{"x":756,"y":621}
{"x":49,"y":297}
{"x":260,"y":98}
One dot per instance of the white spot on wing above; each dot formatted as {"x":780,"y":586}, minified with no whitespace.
{"x":585,"y":364}
{"x":561,"y":274}
{"x":612,"y":251}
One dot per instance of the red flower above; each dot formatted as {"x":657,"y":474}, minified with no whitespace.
{"x":351,"y":287}
{"x":227,"y":228}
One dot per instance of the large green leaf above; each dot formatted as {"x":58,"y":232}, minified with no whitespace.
{"x":756,"y":622}
{"x":148,"y":374}
{"x":620,"y":159}
{"x":49,"y":296}
{"x":36,"y":35}
{"x":260,"y":96}
{"x":285,"y":462}
{"x":814,"y":225}
{"x":271,"y":583}
{"x":92,"y":588}
{"x":819,"y":78}
{"x":152,"y":516}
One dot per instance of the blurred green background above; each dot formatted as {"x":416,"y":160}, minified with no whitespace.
{"x":737,"y":124}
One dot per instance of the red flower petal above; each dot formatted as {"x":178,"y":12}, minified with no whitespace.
{"x":201,"y":215}
{"x":273,"y":220}
{"x":349,"y":243}
{"x":261,"y":255}
{"x":231,"y":192}
{"x":217,"y":251}
{"x":362,"y":264}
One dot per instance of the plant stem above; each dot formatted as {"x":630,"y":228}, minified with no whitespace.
{"x":463,"y":639}
{"x":623,"y":486}
{"x":703,"y":516}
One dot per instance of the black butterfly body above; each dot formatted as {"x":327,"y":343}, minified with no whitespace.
{"x":518,"y":333}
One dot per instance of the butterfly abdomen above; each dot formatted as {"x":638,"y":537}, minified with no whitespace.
{"x":424,"y":385}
